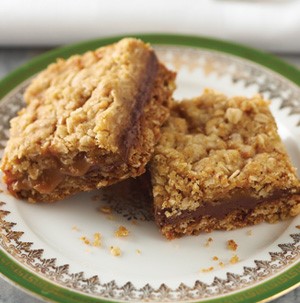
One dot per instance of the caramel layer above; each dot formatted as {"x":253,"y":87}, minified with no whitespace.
{"x":142,"y":97}
{"x":221,"y":208}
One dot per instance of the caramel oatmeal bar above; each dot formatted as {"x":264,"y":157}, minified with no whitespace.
{"x":220,"y":164}
{"x":89,"y":121}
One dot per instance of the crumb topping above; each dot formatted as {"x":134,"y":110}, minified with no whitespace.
{"x":81,"y":96}
{"x":295,"y":211}
{"x":214,"y":147}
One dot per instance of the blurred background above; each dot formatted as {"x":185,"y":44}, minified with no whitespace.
{"x":272,"y":25}
{"x":29,"y":28}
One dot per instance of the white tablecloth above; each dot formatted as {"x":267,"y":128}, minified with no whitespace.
{"x":267,"y":24}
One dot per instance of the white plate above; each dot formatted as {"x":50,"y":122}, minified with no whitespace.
{"x":44,"y":240}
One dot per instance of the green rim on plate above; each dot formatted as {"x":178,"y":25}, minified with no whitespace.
{"x":30,"y":281}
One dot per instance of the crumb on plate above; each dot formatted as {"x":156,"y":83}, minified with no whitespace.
{"x":110,"y":217}
{"x":95,"y":197}
{"x":97,"y":240}
{"x":105,"y":209}
{"x":211,"y":268}
{"x":122,"y":231}
{"x":75,"y":228}
{"x":234,"y":259}
{"x":208,"y":242}
{"x":231,"y":244}
{"x":85,"y":240}
{"x":115,"y":251}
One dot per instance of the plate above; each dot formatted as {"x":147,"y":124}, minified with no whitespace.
{"x":49,"y":249}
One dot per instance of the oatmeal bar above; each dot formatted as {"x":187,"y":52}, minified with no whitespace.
{"x":89,"y":121}
{"x":220,"y":164}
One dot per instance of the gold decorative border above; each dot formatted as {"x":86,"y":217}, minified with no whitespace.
{"x":269,"y":83}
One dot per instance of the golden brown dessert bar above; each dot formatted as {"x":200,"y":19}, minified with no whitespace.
{"x":220,"y":164}
{"x":89,"y":121}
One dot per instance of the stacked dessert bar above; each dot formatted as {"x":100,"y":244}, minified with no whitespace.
{"x":89,"y":121}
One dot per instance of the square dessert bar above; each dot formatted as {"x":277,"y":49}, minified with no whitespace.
{"x":220,"y":164}
{"x":89,"y":121}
